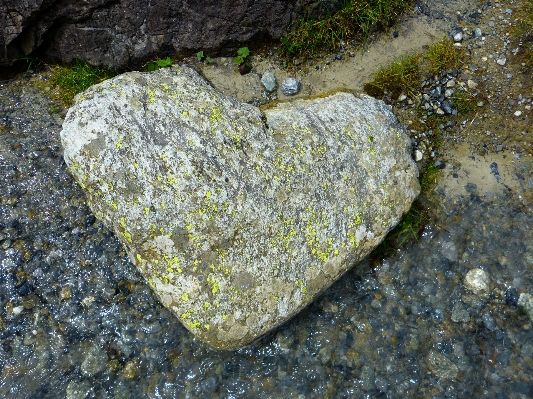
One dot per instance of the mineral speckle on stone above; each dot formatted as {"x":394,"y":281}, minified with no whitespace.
{"x":237,"y":218}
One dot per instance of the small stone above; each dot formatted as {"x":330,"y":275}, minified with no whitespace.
{"x":508,"y":11}
{"x":471,"y":84}
{"x":269,"y":81}
{"x":17,"y":310}
{"x":478,"y":32}
{"x":489,"y":322}
{"x":458,"y":37}
{"x":448,"y":93}
{"x":509,"y":76}
{"x":290,"y":86}
{"x":477,"y":281}
{"x":77,"y":390}
{"x":501,"y":61}
{"x":511,"y":296}
{"x":518,"y":113}
{"x":441,"y":366}
{"x":450,"y":83}
{"x":418,"y":155}
{"x":402,"y":97}
{"x":480,"y":103}
{"x":446,"y":107}
{"x":460,"y":315}
{"x":525,"y":301}
{"x":95,"y":361}
{"x":439,"y":164}
{"x":457,"y":44}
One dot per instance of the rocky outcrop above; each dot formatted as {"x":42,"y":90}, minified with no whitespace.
{"x":237,"y":218}
{"x":126,"y":33}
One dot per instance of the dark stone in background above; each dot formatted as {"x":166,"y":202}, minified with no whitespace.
{"x":124,"y":34}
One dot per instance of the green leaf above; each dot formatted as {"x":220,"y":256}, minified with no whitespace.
{"x":150,"y":67}
{"x":243,"y":52}
{"x":209,"y":60}
{"x":164,"y":63}
{"x":200,"y":55}
{"x":238,"y":60}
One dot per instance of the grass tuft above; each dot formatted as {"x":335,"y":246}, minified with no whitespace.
{"x":524,"y":32}
{"x":75,"y":79}
{"x":442,"y":56}
{"x":355,"y":17}
{"x":401,"y":76}
{"x":464,"y":102}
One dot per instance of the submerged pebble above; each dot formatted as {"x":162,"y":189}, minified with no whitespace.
{"x":477,"y":281}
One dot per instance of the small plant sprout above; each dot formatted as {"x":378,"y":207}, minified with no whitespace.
{"x":155,"y":65}
{"x":244,"y":66}
{"x":200,"y":55}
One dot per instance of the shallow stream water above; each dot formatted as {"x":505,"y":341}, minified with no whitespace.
{"x":78,"y":321}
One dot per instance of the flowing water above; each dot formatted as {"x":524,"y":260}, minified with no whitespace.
{"x":78,"y":321}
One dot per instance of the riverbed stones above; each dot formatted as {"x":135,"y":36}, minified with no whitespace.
{"x":238,"y":218}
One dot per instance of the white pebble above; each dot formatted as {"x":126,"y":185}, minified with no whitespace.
{"x":18,"y":310}
{"x":501,"y":61}
{"x":518,"y":113}
{"x":477,"y":281}
{"x":471,"y":84}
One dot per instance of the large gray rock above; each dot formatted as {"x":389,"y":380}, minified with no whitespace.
{"x":237,"y":219}
{"x":127,"y":33}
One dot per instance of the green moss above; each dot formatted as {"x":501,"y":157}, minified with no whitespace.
{"x":75,"y":79}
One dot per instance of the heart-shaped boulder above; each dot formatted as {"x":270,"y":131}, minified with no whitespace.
{"x":237,"y":218}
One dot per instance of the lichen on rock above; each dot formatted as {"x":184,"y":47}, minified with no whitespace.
{"x":237,"y":218}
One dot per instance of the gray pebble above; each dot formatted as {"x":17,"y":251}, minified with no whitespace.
{"x":290,"y":86}
{"x":489,"y":322}
{"x":269,"y":81}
